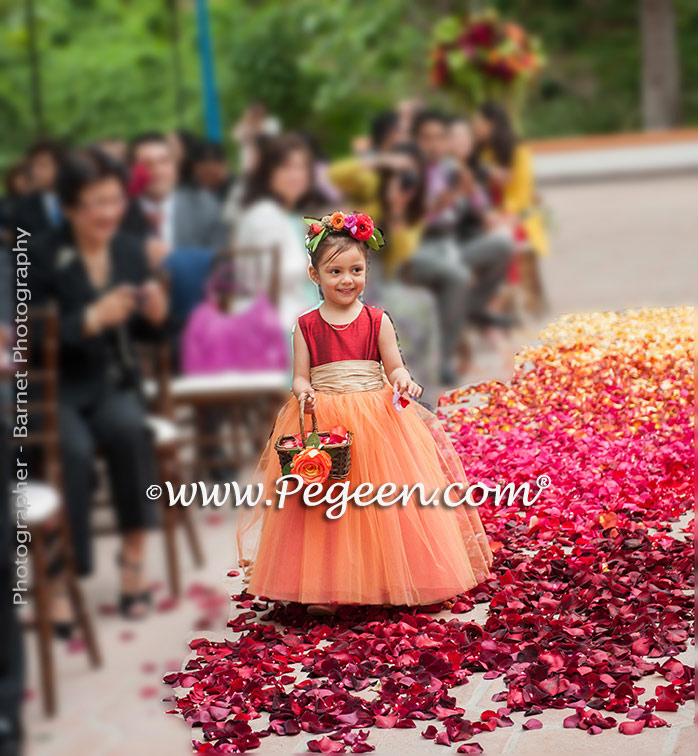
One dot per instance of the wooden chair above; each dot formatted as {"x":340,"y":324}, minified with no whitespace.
{"x":46,"y":517}
{"x":156,"y":362}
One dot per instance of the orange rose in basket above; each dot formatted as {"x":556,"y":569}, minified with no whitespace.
{"x":313,"y":465}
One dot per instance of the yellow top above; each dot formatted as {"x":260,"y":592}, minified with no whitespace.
{"x":519,"y":197}
{"x":361,"y":184}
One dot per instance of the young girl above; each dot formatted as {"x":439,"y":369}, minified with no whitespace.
{"x":347,"y":368}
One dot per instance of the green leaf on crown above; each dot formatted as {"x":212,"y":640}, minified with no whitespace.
{"x":317,"y":239}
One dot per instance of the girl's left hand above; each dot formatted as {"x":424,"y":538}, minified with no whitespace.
{"x":405,"y":385}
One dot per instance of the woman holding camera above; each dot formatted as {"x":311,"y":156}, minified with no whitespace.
{"x":100,"y":280}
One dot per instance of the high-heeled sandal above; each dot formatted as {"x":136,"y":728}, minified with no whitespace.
{"x":62,"y":629}
{"x":128,"y":600}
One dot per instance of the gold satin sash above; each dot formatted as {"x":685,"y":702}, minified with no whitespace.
{"x":347,"y":376}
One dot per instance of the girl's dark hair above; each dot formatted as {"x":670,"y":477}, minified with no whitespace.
{"x":416,"y":206}
{"x":335,"y":243}
{"x":503,"y":140}
{"x":273,"y":153}
{"x":83,"y":168}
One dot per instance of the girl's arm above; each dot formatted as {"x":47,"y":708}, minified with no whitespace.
{"x":394,"y":368}
{"x":301,"y":371}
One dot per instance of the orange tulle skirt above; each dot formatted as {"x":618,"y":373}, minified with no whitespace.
{"x":399,"y":555}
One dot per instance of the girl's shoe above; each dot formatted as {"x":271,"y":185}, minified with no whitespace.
{"x":127,"y":601}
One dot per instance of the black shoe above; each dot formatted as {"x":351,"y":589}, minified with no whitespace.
{"x":128,"y":600}
{"x":496,"y":319}
{"x":64,"y":630}
{"x":10,"y":738}
{"x":448,"y":376}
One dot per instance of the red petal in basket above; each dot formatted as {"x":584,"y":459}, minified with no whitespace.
{"x":338,"y":434}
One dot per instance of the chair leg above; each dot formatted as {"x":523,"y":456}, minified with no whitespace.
{"x":170,"y":528}
{"x":76,"y":598}
{"x":192,"y":537}
{"x":43,"y":621}
{"x":171,"y":463}
{"x":170,"y":520}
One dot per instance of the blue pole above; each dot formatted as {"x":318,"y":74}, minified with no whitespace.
{"x":212,"y":115}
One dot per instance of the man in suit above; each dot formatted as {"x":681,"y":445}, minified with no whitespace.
{"x":166,"y":216}
{"x":40,"y":210}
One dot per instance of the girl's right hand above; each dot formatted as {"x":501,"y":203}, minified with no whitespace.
{"x":309,"y":397}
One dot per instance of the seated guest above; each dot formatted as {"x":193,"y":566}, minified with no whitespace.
{"x":99,"y":278}
{"x":40,"y":209}
{"x":164,"y":216}
{"x":387,"y":131}
{"x":437,"y":262}
{"x":17,"y":186}
{"x":484,"y":235}
{"x":275,"y":194}
{"x":255,"y":122}
{"x":210,"y":169}
{"x":233,"y":329}
{"x":508,"y":167}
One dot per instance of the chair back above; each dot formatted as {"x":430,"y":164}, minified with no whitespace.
{"x":39,"y":401}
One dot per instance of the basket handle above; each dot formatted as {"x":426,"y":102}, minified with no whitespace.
{"x":301,"y":420}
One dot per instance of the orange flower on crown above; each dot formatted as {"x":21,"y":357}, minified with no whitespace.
{"x":337,"y":220}
{"x":312,"y":465}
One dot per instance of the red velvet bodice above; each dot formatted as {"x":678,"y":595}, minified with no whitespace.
{"x":358,"y":341}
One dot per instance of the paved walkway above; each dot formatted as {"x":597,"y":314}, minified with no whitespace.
{"x":616,"y":245}
{"x":614,"y":156}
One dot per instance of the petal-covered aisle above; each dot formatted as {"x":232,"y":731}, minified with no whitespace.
{"x":590,"y":606}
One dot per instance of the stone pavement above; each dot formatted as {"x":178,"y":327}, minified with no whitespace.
{"x":618,"y":244}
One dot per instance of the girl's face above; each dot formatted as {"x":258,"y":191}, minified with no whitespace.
{"x":342,"y":278}
{"x":291,"y":179}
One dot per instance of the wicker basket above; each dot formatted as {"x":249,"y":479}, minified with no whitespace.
{"x":340,"y":453}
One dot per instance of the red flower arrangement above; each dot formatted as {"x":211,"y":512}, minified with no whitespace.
{"x":484,"y":57}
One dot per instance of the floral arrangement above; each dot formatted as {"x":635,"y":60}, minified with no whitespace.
{"x":309,"y":459}
{"x":358,"y":225}
{"x":484,"y":56}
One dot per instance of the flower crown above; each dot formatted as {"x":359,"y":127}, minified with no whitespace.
{"x":357,"y":225}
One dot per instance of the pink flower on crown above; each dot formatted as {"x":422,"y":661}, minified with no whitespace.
{"x":350,"y":223}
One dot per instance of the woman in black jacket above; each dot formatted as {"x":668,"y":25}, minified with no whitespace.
{"x":101,"y":283}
